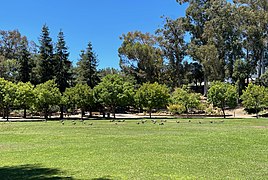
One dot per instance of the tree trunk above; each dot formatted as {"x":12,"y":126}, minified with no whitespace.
{"x":150,"y":113}
{"x":257,"y":113}
{"x":46,"y":114}
{"x":205,"y":85}
{"x":82,"y":113}
{"x":90,"y":112}
{"x":4,"y":113}
{"x":187,"y":114}
{"x":24,"y":112}
{"x":7,"y":113}
{"x":224,"y":116}
{"x":61,"y":111}
{"x":114,"y":111}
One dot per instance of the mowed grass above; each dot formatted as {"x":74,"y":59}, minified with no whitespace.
{"x":233,"y":149}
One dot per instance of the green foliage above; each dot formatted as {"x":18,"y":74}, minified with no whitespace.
{"x":181,"y":96}
{"x":7,"y":95}
{"x":10,"y":43}
{"x":255,"y":97}
{"x":176,"y":108}
{"x":25,"y":96}
{"x":87,"y":67}
{"x":9,"y":69}
{"x":25,"y":66}
{"x":63,"y":65}
{"x":141,"y":57}
{"x":222,"y":95}
{"x":152,"y":96}
{"x":114,"y":91}
{"x":9,"y":92}
{"x":173,"y":45}
{"x":81,"y":95}
{"x":46,"y":64}
{"x":47,"y":94}
{"x":263,"y":80}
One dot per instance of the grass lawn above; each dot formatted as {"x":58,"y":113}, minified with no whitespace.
{"x":233,"y":149}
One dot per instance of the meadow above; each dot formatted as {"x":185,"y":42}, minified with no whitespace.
{"x":200,"y":149}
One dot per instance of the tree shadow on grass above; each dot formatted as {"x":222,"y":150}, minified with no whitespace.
{"x":103,"y":178}
{"x":30,"y":172}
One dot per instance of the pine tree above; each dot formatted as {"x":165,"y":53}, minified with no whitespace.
{"x":24,"y":69}
{"x":87,"y":67}
{"x":63,"y":65}
{"x":46,"y":64}
{"x":62,"y":68}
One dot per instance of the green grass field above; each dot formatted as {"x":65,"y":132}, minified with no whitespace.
{"x":233,"y":149}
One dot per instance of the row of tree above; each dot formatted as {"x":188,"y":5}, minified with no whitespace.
{"x":23,"y":61}
{"x":112,"y":92}
{"x":116,"y":91}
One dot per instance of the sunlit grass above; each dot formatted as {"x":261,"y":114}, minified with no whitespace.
{"x":233,"y":149}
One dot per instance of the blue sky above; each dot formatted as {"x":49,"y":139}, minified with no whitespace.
{"x":98,"y":21}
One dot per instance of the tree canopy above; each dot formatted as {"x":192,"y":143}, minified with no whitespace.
{"x":114,"y":91}
{"x":222,"y":95}
{"x":255,"y":97}
{"x":152,"y":95}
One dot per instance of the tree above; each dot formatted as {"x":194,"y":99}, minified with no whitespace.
{"x":141,"y":57}
{"x":24,"y":69}
{"x":87,"y":67}
{"x":25,"y":96}
{"x":152,"y":96}
{"x":81,"y":95}
{"x":196,"y":73}
{"x":7,"y":95}
{"x":223,"y":31}
{"x":114,"y":91}
{"x":255,"y":97}
{"x":222,"y":95}
{"x":105,"y":71}
{"x":198,"y":49}
{"x":216,"y":41}
{"x":46,"y":68}
{"x":240,"y":74}
{"x":208,"y":58}
{"x":181,"y":96}
{"x":10,"y":43}
{"x":63,"y":65}
{"x":47,"y":94}
{"x":9,"y":69}
{"x":263,"y":80}
{"x":171,"y":39}
{"x":254,"y":18}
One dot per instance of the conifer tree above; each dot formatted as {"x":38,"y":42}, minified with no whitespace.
{"x":24,"y":69}
{"x":46,"y":64}
{"x":62,"y":68}
{"x":87,"y":67}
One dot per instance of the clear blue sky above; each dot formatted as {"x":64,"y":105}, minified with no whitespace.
{"x":98,"y":21}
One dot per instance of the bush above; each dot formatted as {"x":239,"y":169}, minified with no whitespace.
{"x":176,"y":109}
{"x":252,"y":110}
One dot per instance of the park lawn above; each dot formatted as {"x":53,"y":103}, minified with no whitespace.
{"x":233,"y":149}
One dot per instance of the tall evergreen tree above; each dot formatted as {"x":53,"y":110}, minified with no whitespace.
{"x":24,"y":69}
{"x":62,"y":68}
{"x":46,"y":64}
{"x":87,"y":67}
